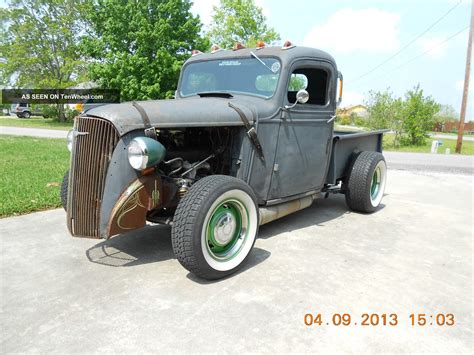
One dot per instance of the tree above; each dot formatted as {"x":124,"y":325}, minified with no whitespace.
{"x":419,"y":116}
{"x":385,"y":111}
{"x":411,"y":119}
{"x":297,"y":82}
{"x":446,"y":113}
{"x":140,"y":46}
{"x":38,"y":44}
{"x":239,"y":21}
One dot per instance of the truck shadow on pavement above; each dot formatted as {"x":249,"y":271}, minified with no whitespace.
{"x":321,"y":211}
{"x":152,"y":243}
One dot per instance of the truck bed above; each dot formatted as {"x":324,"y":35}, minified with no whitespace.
{"x":345,"y":145}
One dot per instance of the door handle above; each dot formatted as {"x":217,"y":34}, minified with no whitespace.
{"x":331,"y":119}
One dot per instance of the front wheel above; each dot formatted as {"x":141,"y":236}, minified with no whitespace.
{"x":215,"y":226}
{"x":366,"y":183}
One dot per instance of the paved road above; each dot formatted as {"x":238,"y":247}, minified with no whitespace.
{"x":61,"y":294}
{"x":451,"y":137}
{"x":33,"y":132}
{"x":458,"y":164}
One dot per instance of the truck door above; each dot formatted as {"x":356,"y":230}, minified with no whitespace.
{"x":305,"y":134}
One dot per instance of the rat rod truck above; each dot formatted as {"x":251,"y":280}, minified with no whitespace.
{"x":249,"y":138}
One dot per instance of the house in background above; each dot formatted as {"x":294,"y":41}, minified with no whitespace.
{"x":453,"y":126}
{"x":359,"y":110}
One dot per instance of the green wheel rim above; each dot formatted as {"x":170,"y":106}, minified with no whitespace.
{"x":227,"y":230}
{"x":375,"y":185}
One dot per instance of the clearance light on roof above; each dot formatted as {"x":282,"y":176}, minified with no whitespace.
{"x":215,"y":48}
{"x":287,"y":45}
{"x":195,"y":52}
{"x":238,"y":46}
{"x":260,"y":44}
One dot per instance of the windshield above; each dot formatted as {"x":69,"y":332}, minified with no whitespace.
{"x":248,"y":76}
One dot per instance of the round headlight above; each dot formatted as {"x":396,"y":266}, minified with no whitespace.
{"x":137,"y":155}
{"x":144,"y":152}
{"x":70,"y":139}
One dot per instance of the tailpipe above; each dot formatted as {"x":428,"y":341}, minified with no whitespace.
{"x":270,"y":213}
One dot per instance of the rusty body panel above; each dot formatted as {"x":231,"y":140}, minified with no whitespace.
{"x":145,"y":194}
{"x":98,"y":158}
{"x":91,"y":154}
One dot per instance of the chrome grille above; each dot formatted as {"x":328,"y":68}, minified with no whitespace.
{"x":91,"y":156}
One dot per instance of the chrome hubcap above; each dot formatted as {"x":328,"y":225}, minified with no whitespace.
{"x":225,"y":229}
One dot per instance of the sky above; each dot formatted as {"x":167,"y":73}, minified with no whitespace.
{"x":363,"y":34}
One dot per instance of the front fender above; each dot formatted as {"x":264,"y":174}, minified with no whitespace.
{"x":128,"y":195}
{"x":130,"y":210}
{"x":147,"y":193}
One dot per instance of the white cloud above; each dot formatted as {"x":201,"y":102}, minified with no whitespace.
{"x":203,"y":8}
{"x":352,"y":98}
{"x":265,"y":9}
{"x":349,"y":30}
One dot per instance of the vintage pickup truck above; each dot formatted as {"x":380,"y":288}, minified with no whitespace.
{"x":249,"y":138}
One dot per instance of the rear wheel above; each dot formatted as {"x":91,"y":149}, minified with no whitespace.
{"x":366,"y":183}
{"x":26,"y":114}
{"x":215,"y":226}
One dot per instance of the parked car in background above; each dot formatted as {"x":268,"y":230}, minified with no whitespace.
{"x":24,"y":110}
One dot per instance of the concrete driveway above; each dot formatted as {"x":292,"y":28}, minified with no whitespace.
{"x":62,"y":295}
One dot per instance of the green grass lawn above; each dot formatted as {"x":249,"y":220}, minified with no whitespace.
{"x":35,"y":122}
{"x":31,"y":171}
{"x":467,"y":146}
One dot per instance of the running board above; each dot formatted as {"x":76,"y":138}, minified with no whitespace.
{"x":270,"y":213}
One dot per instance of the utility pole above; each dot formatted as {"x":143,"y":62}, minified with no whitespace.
{"x":466,"y":84}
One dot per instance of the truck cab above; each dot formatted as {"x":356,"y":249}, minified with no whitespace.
{"x":295,"y":137}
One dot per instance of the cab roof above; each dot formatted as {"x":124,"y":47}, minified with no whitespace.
{"x":285,"y":55}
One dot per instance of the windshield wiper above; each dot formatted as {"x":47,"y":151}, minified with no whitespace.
{"x":215,"y":94}
{"x":261,"y":61}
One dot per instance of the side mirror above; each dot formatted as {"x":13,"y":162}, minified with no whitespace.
{"x":302,"y":97}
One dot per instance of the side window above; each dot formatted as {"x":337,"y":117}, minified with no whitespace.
{"x":314,"y":81}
